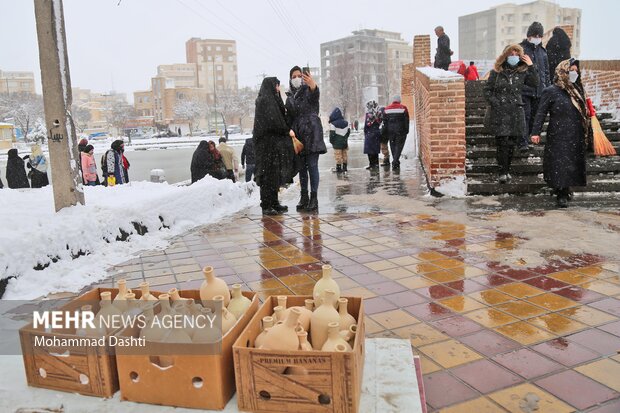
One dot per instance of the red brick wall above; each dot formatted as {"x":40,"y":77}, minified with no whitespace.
{"x":440,"y":126}
{"x":422,"y":50}
{"x":603,"y":87}
{"x":406,"y":86}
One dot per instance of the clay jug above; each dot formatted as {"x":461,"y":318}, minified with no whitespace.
{"x":107,"y":312}
{"x":268,"y":322}
{"x":309,"y":304}
{"x":304,"y":344}
{"x":152,"y":331}
{"x":349,"y":335}
{"x":180,"y":307}
{"x":346,"y":319}
{"x":206,"y":334}
{"x":228,"y":318}
{"x":325,"y":283}
{"x":282,"y":301}
{"x":213,"y":286}
{"x":238,"y":303}
{"x":283,"y":336}
{"x":174,"y":295}
{"x":321,"y":317}
{"x":132,"y":304}
{"x":119,"y":300}
{"x":87,"y":331}
{"x":334,"y":338}
{"x":146,"y":293}
{"x":279,"y":314}
{"x":306,"y":313}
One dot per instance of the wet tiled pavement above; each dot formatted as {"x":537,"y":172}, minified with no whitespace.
{"x":491,"y":337}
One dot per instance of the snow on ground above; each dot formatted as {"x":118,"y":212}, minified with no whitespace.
{"x":32,"y":232}
{"x":439,"y":74}
{"x":456,"y":187}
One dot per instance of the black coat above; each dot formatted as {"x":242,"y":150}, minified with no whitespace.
{"x":15,"y":171}
{"x":564,"y":160}
{"x":502,"y":92}
{"x":202,"y":161}
{"x":372,"y":135}
{"x":442,"y":57}
{"x":247,"y":153}
{"x":273,"y":145}
{"x":302,"y":113}
{"x":558,"y":49}
{"x":538,"y":54}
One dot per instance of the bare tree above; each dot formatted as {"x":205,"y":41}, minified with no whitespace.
{"x":117,"y":113}
{"x":342,"y":91}
{"x":236,"y":105}
{"x":190,"y":110}
{"x":21,"y":109}
{"x":81,"y":116}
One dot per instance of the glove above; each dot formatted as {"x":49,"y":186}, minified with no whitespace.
{"x":111,"y":181}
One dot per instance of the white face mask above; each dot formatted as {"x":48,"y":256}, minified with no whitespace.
{"x":535,"y":41}
{"x":296,"y":82}
{"x":573,"y":76}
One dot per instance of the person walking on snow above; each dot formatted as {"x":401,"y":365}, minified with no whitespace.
{"x":114,"y":165}
{"x":442,"y":57}
{"x":89,"y":166}
{"x":532,"y":46}
{"x":248,"y":159}
{"x":372,"y":134}
{"x":396,"y":128}
{"x":229,"y":158}
{"x":339,"y":131}
{"x":37,"y":163}
{"x":15,"y":171}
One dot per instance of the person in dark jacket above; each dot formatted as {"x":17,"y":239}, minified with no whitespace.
{"x":273,"y":146}
{"x":339,"y":131}
{"x":558,"y":49}
{"x":396,"y":128}
{"x":302,"y":111}
{"x":503,"y":92}
{"x":532,"y":46}
{"x":564,"y":161}
{"x":116,"y":174}
{"x":37,"y":163}
{"x":372,"y":134}
{"x":248,"y":160}
{"x":442,"y":56}
{"x":200,"y":161}
{"x":15,"y":171}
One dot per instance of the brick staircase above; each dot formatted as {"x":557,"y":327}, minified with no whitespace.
{"x":527,"y":169}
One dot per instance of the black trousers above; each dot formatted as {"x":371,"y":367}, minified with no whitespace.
{"x":268,"y":195}
{"x":505,"y":149}
{"x":397,"y":143}
{"x":230,"y":174}
{"x":530,"y":108}
{"x":373,"y":160}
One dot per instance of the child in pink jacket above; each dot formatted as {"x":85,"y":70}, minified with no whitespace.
{"x":89,"y":167}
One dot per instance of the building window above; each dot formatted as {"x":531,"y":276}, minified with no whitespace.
{"x":510,"y":17}
{"x":327,"y":63}
{"x":218,"y":68}
{"x":218,"y":48}
{"x":219,"y":77}
{"x":397,"y":54}
{"x":209,"y":48}
{"x":526,"y":16}
{"x":218,"y":58}
{"x":230,"y":49}
{"x":326,"y":52}
{"x":209,"y":58}
{"x":230,"y":58}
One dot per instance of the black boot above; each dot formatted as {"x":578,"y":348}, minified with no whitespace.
{"x":270,"y":211}
{"x":303,"y":201}
{"x":280,"y":208}
{"x":562,"y":198}
{"x":338,"y":168}
{"x":344,"y":167}
{"x":313,"y":204}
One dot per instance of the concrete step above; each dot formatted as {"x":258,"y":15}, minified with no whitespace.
{"x":532,"y":184}
{"x":488,"y":151}
{"x":596,"y":166}
{"x":485,"y":139}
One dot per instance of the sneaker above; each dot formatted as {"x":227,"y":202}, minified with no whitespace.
{"x":503,"y":178}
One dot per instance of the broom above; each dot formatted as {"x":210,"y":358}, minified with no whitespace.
{"x":602,"y":146}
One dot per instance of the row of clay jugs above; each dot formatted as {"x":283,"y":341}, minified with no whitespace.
{"x":283,"y":336}
{"x":238,"y":303}
{"x":321,"y":317}
{"x":334,"y":339}
{"x":326,"y":283}
{"x":213,"y":286}
{"x":267,"y":322}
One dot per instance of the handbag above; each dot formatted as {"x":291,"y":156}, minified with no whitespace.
{"x":297,"y":145}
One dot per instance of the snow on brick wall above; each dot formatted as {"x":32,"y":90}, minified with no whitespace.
{"x":603,"y":87}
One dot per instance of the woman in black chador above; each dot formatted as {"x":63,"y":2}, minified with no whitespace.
{"x":273,"y":146}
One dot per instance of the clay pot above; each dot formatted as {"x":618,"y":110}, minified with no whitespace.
{"x":213,"y":286}
{"x":119,"y":300}
{"x":228,"y":318}
{"x":334,"y":339}
{"x":174,"y":295}
{"x":306,"y":314}
{"x":131,"y":304}
{"x":346,"y":319}
{"x":268,"y":322}
{"x":283,"y":336}
{"x":321,"y":317}
{"x":206,"y":334}
{"x":282,"y":301}
{"x":151,"y":331}
{"x":146,"y":294}
{"x":349,"y":335}
{"x":86,"y":331}
{"x":279,"y":313}
{"x":325,"y":283}
{"x":304,"y":344}
{"x":107,"y":311}
{"x":238,"y":303}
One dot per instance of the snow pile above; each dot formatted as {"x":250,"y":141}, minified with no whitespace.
{"x":33,"y":234}
{"x":439,"y":74}
{"x":454,"y":187}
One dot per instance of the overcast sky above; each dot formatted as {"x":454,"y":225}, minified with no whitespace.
{"x":118,"y":47}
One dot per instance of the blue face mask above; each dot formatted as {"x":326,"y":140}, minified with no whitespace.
{"x":513,"y":60}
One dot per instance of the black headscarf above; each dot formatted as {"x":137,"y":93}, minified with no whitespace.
{"x":558,"y":48}
{"x":117,"y":144}
{"x":201,"y":161}
{"x":15,"y":172}
{"x":269,"y":113}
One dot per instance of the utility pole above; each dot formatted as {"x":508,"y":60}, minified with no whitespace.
{"x":215,"y":96}
{"x":56,"y":81}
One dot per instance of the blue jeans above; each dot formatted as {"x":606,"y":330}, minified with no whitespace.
{"x":309,"y":167}
{"x":249,"y":171}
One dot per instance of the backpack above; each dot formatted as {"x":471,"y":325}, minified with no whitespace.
{"x":104,"y":164}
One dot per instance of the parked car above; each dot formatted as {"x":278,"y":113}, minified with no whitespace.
{"x":234,"y":129}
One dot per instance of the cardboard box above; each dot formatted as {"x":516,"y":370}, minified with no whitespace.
{"x":333,"y":382}
{"x":86,"y":370}
{"x":194,"y":380}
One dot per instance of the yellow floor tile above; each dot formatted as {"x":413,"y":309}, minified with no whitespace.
{"x":591,"y":271}
{"x":520,"y":290}
{"x":449,"y":263}
{"x":588,"y":315}
{"x":407,"y":260}
{"x":468,"y":271}
{"x":423,"y":268}
{"x":303,"y":260}
{"x":461,"y":304}
{"x":490,"y":317}
{"x":476,"y":247}
{"x":265,"y":284}
{"x":443,"y":276}
{"x":303,"y":289}
{"x":557,"y":323}
{"x":372,"y":327}
{"x":524,"y":333}
{"x":421,"y":334}
{"x":479,"y":405}
{"x":359,"y":292}
{"x":297,"y":279}
{"x":430,"y":256}
{"x":394,"y":319}
{"x":396,"y":273}
{"x":381,"y":265}
{"x":602,"y":287}
{"x":604,"y":371}
{"x":570,"y":277}
{"x":428,"y":365}
{"x":415,"y":282}
{"x":491,"y":297}
{"x":450,"y":353}
{"x":514,"y":399}
{"x":521,"y":309}
{"x":552,"y":302}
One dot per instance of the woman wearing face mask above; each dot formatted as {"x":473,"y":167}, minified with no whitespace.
{"x":37,"y":163}
{"x":302,"y":111}
{"x":505,"y":118}
{"x":564,"y":160}
{"x":372,"y":134}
